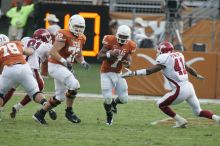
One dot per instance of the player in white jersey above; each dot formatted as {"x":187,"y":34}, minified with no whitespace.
{"x":41,"y":43}
{"x":175,"y":70}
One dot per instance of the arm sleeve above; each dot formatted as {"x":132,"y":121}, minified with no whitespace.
{"x":10,"y":13}
{"x":29,"y":8}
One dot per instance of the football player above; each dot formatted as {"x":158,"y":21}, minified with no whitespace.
{"x":115,"y":54}
{"x":176,"y":71}
{"x":16,"y":70}
{"x":68,"y":44}
{"x":41,"y":44}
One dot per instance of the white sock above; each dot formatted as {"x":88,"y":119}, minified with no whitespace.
{"x":215,"y":118}
{"x":178,"y":117}
{"x":1,"y":109}
{"x":18,"y":106}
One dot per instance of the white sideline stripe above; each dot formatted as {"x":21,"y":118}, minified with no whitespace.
{"x":130,"y":97}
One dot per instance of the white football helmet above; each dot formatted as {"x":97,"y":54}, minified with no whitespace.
{"x":3,"y":39}
{"x":123,"y":34}
{"x":77,"y":24}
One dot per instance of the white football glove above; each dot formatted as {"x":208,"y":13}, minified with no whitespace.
{"x":128,"y":73}
{"x":200,"y":77}
{"x":85,"y":65}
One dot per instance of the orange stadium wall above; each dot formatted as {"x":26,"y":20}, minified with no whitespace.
{"x":218,"y":78}
{"x":156,"y":85}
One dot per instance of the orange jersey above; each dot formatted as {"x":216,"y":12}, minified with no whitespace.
{"x":12,"y":53}
{"x":73,"y":45}
{"x":110,"y":42}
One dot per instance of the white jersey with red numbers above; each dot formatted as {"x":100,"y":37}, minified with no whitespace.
{"x":41,"y":50}
{"x":174,"y":69}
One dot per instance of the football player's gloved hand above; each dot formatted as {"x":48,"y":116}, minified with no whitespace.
{"x":128,"y":73}
{"x":200,"y":77}
{"x":85,"y":65}
{"x":126,"y":63}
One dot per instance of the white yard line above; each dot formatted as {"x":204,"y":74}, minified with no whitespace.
{"x":131,"y":97}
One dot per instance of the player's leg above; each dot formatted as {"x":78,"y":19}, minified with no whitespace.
{"x":72,"y":84}
{"x":8,"y":95}
{"x":195,"y":105}
{"x":53,"y":101}
{"x":27,"y":99}
{"x":175,"y":96}
{"x":7,"y":81}
{"x":29,"y":83}
{"x":65,"y":80}
{"x":107,"y":86}
{"x":122,"y":92}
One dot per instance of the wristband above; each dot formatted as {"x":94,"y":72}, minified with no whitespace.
{"x":108,"y":55}
{"x":62,"y":60}
{"x":140,"y":72}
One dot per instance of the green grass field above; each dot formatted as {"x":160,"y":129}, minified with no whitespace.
{"x":89,"y":79}
{"x":131,"y":125}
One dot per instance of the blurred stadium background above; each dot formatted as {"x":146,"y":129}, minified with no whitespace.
{"x":196,"y":32}
{"x":198,"y":26}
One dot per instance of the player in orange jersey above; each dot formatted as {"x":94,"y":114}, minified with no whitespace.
{"x":66,"y":48}
{"x":115,"y":53}
{"x":16,"y":71}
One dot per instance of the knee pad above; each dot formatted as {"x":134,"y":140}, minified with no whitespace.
{"x":54,"y":102}
{"x":108,"y":100}
{"x":71,"y":94}
{"x":35,"y":94}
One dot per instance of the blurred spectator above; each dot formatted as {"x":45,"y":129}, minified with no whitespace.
{"x":19,"y":16}
{"x":113,"y":26}
{"x":25,"y":2}
{"x":54,"y":27}
{"x":150,"y":40}
{"x":139,"y":31}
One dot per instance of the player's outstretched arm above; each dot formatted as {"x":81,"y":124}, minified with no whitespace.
{"x":143,"y":72}
{"x":193,"y":72}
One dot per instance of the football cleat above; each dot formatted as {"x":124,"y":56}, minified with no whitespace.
{"x":109,"y":119}
{"x":181,"y":123}
{"x":52,"y":114}
{"x":38,"y":117}
{"x":13,"y":113}
{"x":71,"y":116}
